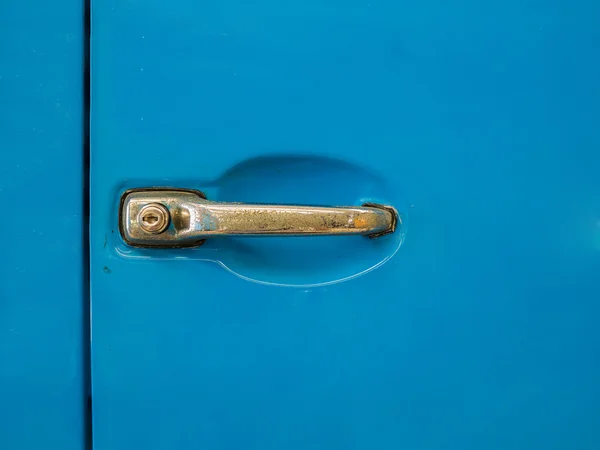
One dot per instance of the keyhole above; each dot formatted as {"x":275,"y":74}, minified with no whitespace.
{"x":154,"y":218}
{"x":150,"y":219}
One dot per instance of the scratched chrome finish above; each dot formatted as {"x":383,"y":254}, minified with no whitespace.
{"x":193,"y":219}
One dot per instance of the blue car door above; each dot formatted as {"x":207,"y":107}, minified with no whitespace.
{"x":474,"y":325}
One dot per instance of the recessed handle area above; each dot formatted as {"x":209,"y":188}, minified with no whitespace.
{"x":176,"y":218}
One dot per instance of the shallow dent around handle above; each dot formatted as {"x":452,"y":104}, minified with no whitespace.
{"x":289,"y":261}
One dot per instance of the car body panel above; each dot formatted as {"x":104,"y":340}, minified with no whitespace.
{"x":475,"y":326}
{"x":43,"y":273}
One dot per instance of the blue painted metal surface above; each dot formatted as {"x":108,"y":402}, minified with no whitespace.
{"x":42,"y":284}
{"x":477,"y":120}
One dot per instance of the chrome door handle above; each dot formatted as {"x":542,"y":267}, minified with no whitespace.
{"x":168,"y":218}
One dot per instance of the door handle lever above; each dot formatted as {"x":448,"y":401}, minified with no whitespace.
{"x":175,"y":218}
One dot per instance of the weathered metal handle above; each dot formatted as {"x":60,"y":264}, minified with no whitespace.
{"x":184,"y":218}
